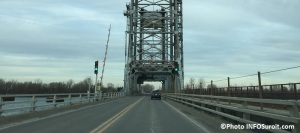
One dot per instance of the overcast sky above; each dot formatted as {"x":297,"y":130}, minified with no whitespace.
{"x":59,"y":40}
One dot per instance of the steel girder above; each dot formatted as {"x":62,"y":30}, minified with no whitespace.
{"x":154,"y":44}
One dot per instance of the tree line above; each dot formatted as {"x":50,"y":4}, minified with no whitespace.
{"x":38,"y":87}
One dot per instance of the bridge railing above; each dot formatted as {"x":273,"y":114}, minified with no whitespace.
{"x":245,"y":110}
{"x":16,"y":104}
{"x":290,"y":91}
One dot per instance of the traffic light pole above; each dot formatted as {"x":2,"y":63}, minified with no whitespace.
{"x":96,"y":82}
{"x":95,"y":95}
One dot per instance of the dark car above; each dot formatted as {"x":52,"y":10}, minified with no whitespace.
{"x":155,"y":94}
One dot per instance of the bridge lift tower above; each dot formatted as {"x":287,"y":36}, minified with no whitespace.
{"x":154,"y":44}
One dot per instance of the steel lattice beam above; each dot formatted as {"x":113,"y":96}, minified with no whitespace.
{"x":154,"y":43}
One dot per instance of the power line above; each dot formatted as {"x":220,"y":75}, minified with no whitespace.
{"x":243,"y":76}
{"x":256,"y":74}
{"x":217,"y":80}
{"x":281,"y":70}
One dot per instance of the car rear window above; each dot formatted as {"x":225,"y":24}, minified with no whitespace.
{"x":155,"y":91}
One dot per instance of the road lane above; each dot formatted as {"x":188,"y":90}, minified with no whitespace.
{"x":113,"y":119}
{"x":128,"y":115}
{"x":154,"y":116}
{"x":80,"y":121}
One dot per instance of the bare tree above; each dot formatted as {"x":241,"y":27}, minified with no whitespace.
{"x":110,"y":85}
{"x":147,"y":88}
{"x":201,"y":83}
{"x":38,"y":83}
{"x":10,"y":86}
{"x":2,"y":85}
{"x":192,"y":82}
{"x":213,"y":86}
{"x":70,"y":83}
{"x":187,"y":86}
{"x":87,"y":81}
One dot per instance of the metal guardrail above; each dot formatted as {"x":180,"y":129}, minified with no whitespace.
{"x":29,"y":102}
{"x":216,"y":105}
{"x":288,"y":91}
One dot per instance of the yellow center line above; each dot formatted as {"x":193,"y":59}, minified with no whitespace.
{"x":113,"y":119}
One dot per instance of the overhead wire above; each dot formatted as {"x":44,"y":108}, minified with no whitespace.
{"x":243,"y":76}
{"x":281,"y":70}
{"x":257,"y":74}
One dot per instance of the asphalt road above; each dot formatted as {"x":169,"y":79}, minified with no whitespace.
{"x":128,"y":115}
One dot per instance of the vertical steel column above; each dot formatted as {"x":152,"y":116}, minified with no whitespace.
{"x":163,"y":47}
{"x":130,"y":45}
{"x":172,"y":23}
{"x":141,"y":35}
{"x":135,"y":8}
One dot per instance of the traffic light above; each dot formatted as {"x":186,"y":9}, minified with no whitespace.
{"x":96,"y":67}
{"x":176,"y":69}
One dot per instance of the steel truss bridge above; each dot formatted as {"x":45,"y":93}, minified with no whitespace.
{"x":154,"y":44}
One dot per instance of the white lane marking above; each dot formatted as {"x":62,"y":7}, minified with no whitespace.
{"x":54,"y":115}
{"x":193,"y":121}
